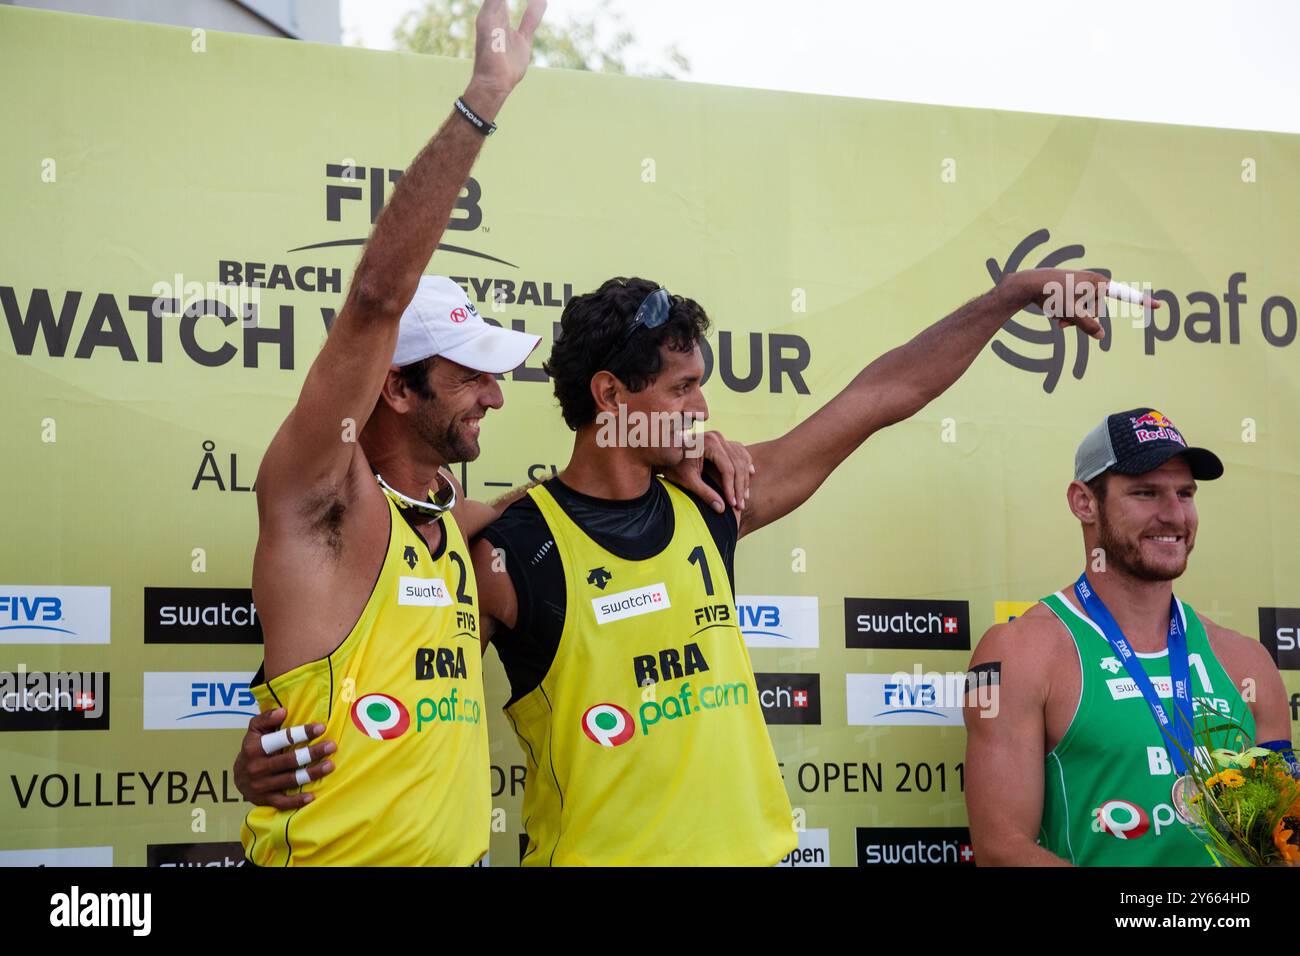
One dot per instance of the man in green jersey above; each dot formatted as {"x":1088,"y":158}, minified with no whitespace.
{"x":1071,"y":766}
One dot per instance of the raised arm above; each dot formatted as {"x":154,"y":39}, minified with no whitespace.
{"x":1004,"y":754}
{"x":900,"y":383}
{"x":309,"y":452}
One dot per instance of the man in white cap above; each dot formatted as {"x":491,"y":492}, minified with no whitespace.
{"x":365,"y":592}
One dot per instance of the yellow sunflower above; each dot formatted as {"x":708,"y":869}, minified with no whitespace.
{"x":1227,"y":778}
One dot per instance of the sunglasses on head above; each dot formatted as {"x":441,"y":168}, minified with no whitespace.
{"x":651,"y":313}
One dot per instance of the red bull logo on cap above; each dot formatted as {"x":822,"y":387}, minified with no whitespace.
{"x":1155,"y":425}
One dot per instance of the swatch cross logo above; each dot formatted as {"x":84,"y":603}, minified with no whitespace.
{"x":1046,"y":333}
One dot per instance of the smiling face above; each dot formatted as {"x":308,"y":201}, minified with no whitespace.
{"x":672,"y":395}
{"x":449,"y":417}
{"x":1146,"y":524}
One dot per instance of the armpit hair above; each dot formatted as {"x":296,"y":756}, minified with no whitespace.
{"x":323,"y":515}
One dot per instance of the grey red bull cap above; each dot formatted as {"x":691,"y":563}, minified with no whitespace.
{"x":1138,"y":441}
{"x":442,"y":321}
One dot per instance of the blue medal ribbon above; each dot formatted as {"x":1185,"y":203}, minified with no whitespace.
{"x":1179,"y":669}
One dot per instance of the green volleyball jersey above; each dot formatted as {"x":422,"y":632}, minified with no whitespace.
{"x":1106,"y":785}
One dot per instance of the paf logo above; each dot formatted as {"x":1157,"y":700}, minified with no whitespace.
{"x":608,"y":724}
{"x":1121,"y":819}
{"x":1041,"y":332}
{"x":380,"y":717}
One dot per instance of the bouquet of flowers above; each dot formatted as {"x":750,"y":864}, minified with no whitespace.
{"x":1243,"y":804}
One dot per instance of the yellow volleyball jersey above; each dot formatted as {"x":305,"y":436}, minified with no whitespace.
{"x":645,"y":743}
{"x":402,"y":696}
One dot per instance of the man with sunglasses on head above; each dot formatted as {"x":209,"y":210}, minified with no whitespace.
{"x":632,"y":692}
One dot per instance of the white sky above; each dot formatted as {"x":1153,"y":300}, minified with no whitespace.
{"x":1227,"y":63}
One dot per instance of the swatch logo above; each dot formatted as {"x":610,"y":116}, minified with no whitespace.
{"x":1279,"y":632}
{"x":646,"y":600}
{"x":887,"y":622}
{"x":790,"y":698}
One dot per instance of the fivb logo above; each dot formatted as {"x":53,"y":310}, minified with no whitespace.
{"x":768,"y":620}
{"x":646,"y":600}
{"x":380,"y":717}
{"x":54,"y":615}
{"x":931,"y":699}
{"x":197,"y":699}
{"x":608,"y":725}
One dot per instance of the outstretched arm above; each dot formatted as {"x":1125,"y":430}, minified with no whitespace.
{"x":902,"y":382}
{"x":309,"y":453}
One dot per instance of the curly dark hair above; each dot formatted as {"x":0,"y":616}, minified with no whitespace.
{"x":593,"y":339}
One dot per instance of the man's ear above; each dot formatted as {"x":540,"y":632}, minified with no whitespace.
{"x":606,"y":392}
{"x":394,"y":392}
{"x":1083,"y":503}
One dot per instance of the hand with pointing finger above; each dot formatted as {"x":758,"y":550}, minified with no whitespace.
{"x":1071,"y":297}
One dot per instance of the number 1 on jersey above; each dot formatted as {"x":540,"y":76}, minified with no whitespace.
{"x":697,"y":557}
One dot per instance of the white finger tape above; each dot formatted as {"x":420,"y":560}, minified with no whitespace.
{"x":283,"y":738}
{"x":276,"y":741}
{"x":304,"y":756}
{"x":302,"y":777}
{"x":1125,"y":293}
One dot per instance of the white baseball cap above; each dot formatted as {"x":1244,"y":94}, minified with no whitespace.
{"x":442,"y":321}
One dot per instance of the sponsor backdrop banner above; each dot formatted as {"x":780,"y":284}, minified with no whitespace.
{"x":145,"y":163}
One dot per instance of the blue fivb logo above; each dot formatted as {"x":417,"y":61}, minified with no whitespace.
{"x":18,"y":612}
{"x":1045,"y":333}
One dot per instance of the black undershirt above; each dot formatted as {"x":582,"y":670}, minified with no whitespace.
{"x":635,"y":529}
